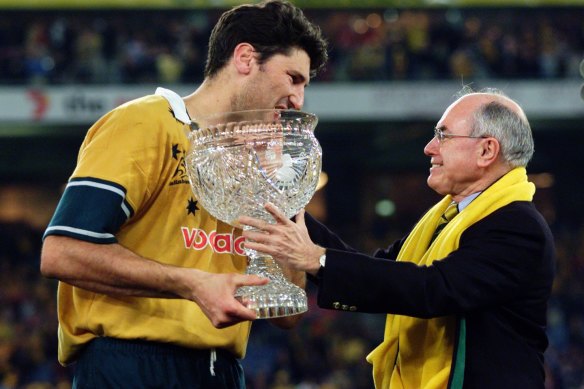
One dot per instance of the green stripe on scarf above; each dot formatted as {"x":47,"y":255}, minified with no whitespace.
{"x":459,"y":362}
{"x":426,"y":345}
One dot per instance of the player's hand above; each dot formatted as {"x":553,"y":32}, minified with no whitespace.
{"x":214,"y":293}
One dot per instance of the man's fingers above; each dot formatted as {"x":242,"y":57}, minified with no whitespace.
{"x":300,"y":217}
{"x":250,"y":221}
{"x":276,"y":213}
{"x":249,"y":280}
{"x":260,"y":247}
{"x":255,"y":236}
{"x":239,"y":312}
{"x":258,"y":224}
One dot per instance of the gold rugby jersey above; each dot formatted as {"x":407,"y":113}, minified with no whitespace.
{"x":130,"y":186}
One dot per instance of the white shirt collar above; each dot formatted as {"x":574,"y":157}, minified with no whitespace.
{"x":467,"y":200}
{"x":176,"y":103}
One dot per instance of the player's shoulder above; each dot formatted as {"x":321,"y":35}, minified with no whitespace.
{"x":148,"y":119}
{"x":150,"y":106}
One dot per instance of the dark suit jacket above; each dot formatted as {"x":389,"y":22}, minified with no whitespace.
{"x":499,"y":280}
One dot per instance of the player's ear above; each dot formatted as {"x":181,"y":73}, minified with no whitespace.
{"x":243,"y":57}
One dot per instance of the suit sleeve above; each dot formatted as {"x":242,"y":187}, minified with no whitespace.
{"x":321,"y":235}
{"x":505,"y":255}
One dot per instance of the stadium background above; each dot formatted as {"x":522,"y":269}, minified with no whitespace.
{"x":395,"y":66}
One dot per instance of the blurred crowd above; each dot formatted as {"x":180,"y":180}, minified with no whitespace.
{"x":133,"y":46}
{"x":28,"y":314}
{"x":565,"y":356}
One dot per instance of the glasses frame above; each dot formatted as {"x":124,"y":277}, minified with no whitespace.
{"x":441,"y":136}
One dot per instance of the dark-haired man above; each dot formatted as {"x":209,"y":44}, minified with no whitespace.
{"x":146,"y":285}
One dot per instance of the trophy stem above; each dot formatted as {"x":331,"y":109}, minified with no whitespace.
{"x":279,"y":297}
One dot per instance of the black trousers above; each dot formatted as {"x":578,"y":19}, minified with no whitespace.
{"x":115,"y":363}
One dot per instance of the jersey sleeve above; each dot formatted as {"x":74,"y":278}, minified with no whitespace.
{"x":118,"y":169}
{"x":90,"y":209}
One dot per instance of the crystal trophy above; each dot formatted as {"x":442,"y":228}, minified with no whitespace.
{"x":239,"y":161}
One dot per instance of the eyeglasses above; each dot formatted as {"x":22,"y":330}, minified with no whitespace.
{"x":441,"y":136}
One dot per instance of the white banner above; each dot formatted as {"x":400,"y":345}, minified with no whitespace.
{"x":331,"y":102}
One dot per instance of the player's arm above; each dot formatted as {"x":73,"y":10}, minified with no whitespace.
{"x":106,"y":268}
{"x":115,"y":270}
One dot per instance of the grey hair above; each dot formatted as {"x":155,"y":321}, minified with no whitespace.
{"x":510,"y":128}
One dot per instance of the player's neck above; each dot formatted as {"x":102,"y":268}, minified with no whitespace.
{"x":212,"y":96}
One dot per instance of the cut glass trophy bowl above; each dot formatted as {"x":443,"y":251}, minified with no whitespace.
{"x":239,"y":161}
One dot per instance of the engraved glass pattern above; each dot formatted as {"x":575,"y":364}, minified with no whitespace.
{"x":238,"y":161}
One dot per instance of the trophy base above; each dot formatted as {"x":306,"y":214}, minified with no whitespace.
{"x":271,"y":300}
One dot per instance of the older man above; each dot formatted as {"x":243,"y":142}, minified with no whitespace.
{"x":466,"y":290}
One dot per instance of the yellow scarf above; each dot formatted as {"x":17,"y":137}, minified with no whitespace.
{"x":426,"y":346}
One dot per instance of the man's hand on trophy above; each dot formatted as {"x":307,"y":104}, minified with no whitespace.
{"x":286,"y":241}
{"x":214,"y":293}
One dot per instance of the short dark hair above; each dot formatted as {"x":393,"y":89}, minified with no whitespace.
{"x":271,"y":27}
